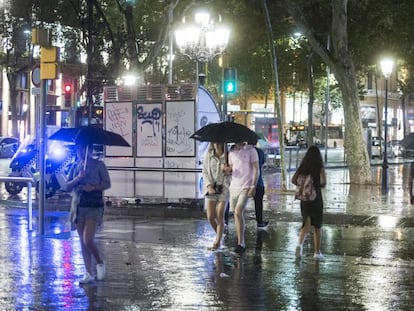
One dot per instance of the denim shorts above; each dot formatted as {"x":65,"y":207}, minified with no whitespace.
{"x":89,"y":213}
{"x":222,"y":197}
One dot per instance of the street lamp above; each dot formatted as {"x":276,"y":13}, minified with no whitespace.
{"x":386,"y":68}
{"x":202,"y":40}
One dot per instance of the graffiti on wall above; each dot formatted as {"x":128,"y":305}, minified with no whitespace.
{"x":149,"y":130}
{"x":180,"y":124}
{"x":118,"y":119}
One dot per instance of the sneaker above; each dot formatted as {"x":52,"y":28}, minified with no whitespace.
{"x":262,"y":225}
{"x":240,"y":249}
{"x":318,"y":256}
{"x":100,"y":271}
{"x":87,"y":278}
{"x":298,"y":252}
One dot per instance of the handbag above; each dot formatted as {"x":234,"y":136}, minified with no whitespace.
{"x":218,"y":188}
{"x":305,"y":190}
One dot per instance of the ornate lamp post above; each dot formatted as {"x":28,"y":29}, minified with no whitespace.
{"x":203,"y":39}
{"x":386,"y":68}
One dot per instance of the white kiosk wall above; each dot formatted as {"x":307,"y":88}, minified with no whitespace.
{"x":159,"y":134}
{"x":180,"y":149}
{"x":118,"y":119}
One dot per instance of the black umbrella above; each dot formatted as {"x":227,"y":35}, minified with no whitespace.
{"x":408,"y":141}
{"x":96,"y":135}
{"x":89,"y":135}
{"x":225,"y":132}
{"x":67,"y":134}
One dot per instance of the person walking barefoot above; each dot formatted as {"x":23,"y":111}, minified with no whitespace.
{"x":216,"y":189}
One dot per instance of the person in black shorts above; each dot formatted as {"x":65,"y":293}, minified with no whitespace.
{"x":87,"y":181}
{"x":312,"y":211}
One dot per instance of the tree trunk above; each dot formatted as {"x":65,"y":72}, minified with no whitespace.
{"x":404,"y":112}
{"x":344,"y":71}
{"x":11,"y":77}
{"x":341,"y":64}
{"x":276,"y":95}
{"x":311,"y":132}
{"x":132,"y":47}
{"x":89,"y":52}
{"x":355,"y":148}
{"x":379,"y":109}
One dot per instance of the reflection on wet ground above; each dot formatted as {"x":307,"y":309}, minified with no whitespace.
{"x":165,"y":265}
{"x":342,"y":198}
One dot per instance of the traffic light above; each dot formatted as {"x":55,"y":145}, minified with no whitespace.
{"x":67,"y":89}
{"x":230,"y":80}
{"x":49,"y":57}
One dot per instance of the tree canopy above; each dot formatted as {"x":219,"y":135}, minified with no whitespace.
{"x":121,"y":35}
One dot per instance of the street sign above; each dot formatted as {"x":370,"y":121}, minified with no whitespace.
{"x":36,"y":75}
{"x":56,"y":108}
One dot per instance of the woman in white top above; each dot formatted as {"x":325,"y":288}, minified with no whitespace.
{"x":216,"y":189}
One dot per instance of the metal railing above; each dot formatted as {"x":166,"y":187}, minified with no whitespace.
{"x":28,"y":181}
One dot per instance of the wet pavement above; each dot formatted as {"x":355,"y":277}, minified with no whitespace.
{"x":163,"y":263}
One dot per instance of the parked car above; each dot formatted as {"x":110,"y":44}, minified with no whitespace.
{"x":397,"y":149}
{"x":8,"y":146}
{"x":377,"y":148}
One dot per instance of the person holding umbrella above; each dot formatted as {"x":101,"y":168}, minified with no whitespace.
{"x":242,"y":166}
{"x":216,"y":189}
{"x":244,"y":169}
{"x":87,"y":180}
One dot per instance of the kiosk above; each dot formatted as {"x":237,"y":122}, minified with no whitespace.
{"x":163,"y":162}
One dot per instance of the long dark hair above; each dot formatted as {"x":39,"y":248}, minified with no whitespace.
{"x":311,"y":163}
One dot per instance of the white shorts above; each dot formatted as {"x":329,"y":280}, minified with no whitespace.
{"x":238,"y":197}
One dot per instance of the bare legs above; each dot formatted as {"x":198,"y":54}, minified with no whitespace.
{"x":86,"y":233}
{"x":215,"y":216}
{"x":239,"y":222}
{"x":304,"y":230}
{"x":317,"y":237}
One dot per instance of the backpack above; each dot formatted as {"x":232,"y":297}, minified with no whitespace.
{"x":305,"y":190}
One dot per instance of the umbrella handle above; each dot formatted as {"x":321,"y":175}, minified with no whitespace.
{"x":86,"y":157}
{"x":226,"y":154}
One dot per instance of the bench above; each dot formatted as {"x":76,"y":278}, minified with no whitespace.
{"x":28,"y":181}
